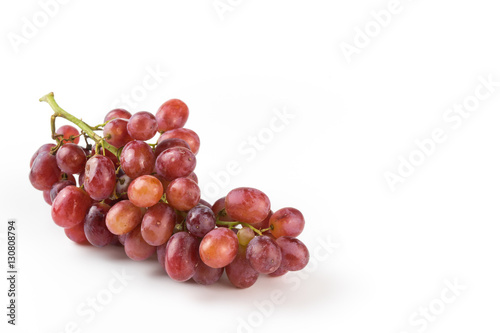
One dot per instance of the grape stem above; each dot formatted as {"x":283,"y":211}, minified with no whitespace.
{"x":88,"y":130}
{"x":233,"y":224}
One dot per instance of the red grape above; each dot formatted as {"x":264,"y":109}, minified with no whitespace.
{"x":160,"y":254}
{"x":136,"y":248}
{"x":142,"y":126}
{"x":200,"y":220}
{"x":123,"y":217}
{"x":100,"y":177}
{"x":145,"y":191}
{"x":206,"y":275}
{"x":43,"y":149}
{"x":70,"y":206}
{"x":172,"y":114}
{"x":181,"y":257}
{"x":295,"y":255}
{"x":287,"y":222}
{"x":265,"y":223}
{"x":46,"y":197}
{"x":219,"y":209}
{"x":264,"y":254}
{"x":57,"y":187}
{"x":76,"y":234}
{"x":158,"y":224}
{"x":71,"y":158}
{"x":170,"y":143}
{"x":115,"y":132}
{"x":117,"y":113}
{"x":279,"y":272}
{"x":185,"y":134}
{"x":94,"y":225}
{"x":239,"y":272}
{"x":175,"y":163}
{"x":183,"y":194}
{"x":44,"y":172}
{"x":137,"y":159}
{"x":67,"y":131}
{"x":248,"y":205}
{"x":219,"y":247}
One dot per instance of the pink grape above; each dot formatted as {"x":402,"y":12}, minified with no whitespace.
{"x":295,"y":255}
{"x":219,"y":247}
{"x":137,"y":159}
{"x":44,"y":172}
{"x":100,"y":177}
{"x":115,"y":132}
{"x":67,"y":131}
{"x":175,"y":163}
{"x":145,"y":191}
{"x":76,"y":234}
{"x":287,"y":222}
{"x":181,"y":257}
{"x":264,"y":254}
{"x":185,"y":134}
{"x":183,"y":194}
{"x":123,"y":217}
{"x":71,"y":158}
{"x":172,"y":114}
{"x":136,"y":248}
{"x":94,"y":225}
{"x":158,"y":224}
{"x":43,"y":149}
{"x":142,"y":126}
{"x":247,"y":204}
{"x":117,"y":113}
{"x":70,"y":206}
{"x":239,"y":272}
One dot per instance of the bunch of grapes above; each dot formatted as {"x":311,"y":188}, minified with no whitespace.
{"x":145,"y":197}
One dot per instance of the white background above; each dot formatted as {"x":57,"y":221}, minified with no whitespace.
{"x":392,"y":251}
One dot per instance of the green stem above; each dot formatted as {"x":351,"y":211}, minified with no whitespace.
{"x":59,"y":112}
{"x":232,"y":224}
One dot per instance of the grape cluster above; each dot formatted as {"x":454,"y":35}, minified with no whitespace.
{"x":145,"y":197}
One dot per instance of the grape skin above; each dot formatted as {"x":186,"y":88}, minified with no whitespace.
{"x":100,"y":177}
{"x":239,"y":272}
{"x":219,"y":247}
{"x":175,"y":163}
{"x":200,"y":220}
{"x":94,"y":225}
{"x":246,"y":204}
{"x":145,"y":191}
{"x":206,"y":275}
{"x":142,"y":126}
{"x":264,"y":254}
{"x":57,"y":187}
{"x":44,"y":172}
{"x":123,"y":217}
{"x":185,"y":134}
{"x":137,"y":159}
{"x":181,"y":257}
{"x":172,"y":114}
{"x":115,"y":132}
{"x":70,"y":206}
{"x":71,"y":158}
{"x":67,"y":131}
{"x":295,"y":255}
{"x":117,"y":113}
{"x":43,"y":149}
{"x":287,"y":222}
{"x":136,"y":248}
{"x":76,"y":234}
{"x":158,"y":224}
{"x":183,"y":194}
{"x":170,"y":143}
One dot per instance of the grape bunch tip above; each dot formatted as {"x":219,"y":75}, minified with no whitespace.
{"x":119,"y":189}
